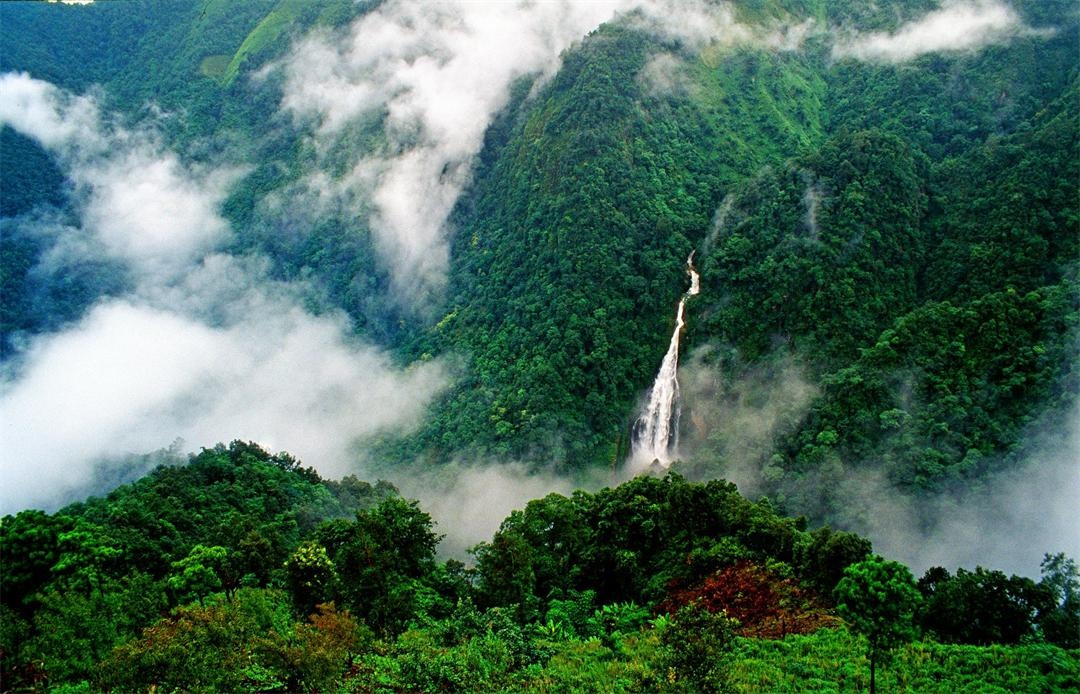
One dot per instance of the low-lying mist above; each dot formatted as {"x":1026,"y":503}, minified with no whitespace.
{"x":1006,"y":521}
{"x":736,"y":418}
{"x":469,"y":500}
{"x":958,"y":25}
{"x":204,"y":347}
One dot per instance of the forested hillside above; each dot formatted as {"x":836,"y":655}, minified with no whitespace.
{"x":933,"y":284}
{"x":565,"y":286}
{"x":943,"y":220}
{"x":238,"y":570}
{"x":443,"y":244}
{"x":941,"y":186}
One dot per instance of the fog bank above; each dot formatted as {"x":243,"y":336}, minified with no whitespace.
{"x":204,"y":347}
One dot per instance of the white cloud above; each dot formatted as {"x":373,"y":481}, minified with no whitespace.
{"x":54,"y":118}
{"x":961,"y":25}
{"x":470,"y":501}
{"x":137,"y":373}
{"x":439,"y":72}
{"x":144,"y":205}
{"x":734,"y":418}
{"x":148,"y":210}
{"x":665,"y":75}
{"x":1006,"y":522}
{"x":698,"y":24}
{"x":204,"y":347}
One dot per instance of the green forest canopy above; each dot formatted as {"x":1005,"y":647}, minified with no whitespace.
{"x":905,"y":232}
{"x":240,"y":570}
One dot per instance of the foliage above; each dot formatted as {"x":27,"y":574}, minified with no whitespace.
{"x":907,"y":230}
{"x":878,"y":599}
{"x":196,"y":648}
{"x":982,"y":606}
{"x":913,"y":381}
{"x":763,"y":603}
{"x":77,"y":583}
{"x":632,"y":665}
{"x":199,"y":573}
{"x":559,"y":599}
{"x":826,"y":661}
{"x":629,"y":543}
{"x":829,"y":552}
{"x":507,"y":578}
{"x":383,"y":561}
{"x":696,"y":647}
{"x":71,"y":631}
{"x":875,"y":217}
{"x":1060,"y":577}
{"x":318,"y":652}
{"x":310,"y":575}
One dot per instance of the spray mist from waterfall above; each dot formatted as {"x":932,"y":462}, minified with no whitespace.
{"x":656,"y":432}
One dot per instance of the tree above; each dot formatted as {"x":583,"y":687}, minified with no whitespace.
{"x":310,"y":575}
{"x":383,"y":560}
{"x":828,"y":553}
{"x":1061,"y":625}
{"x":981,"y":607}
{"x":199,"y":573}
{"x":315,"y":654}
{"x":30,"y":548}
{"x":74,"y":630}
{"x":505,"y":568}
{"x":878,"y":598}
{"x":696,"y":643}
{"x":196,"y":648}
{"x":87,"y":554}
{"x":764,"y":602}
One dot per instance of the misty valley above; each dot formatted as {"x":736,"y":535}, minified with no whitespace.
{"x":574,"y":345}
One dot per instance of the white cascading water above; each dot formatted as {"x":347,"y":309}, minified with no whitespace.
{"x":656,"y":432}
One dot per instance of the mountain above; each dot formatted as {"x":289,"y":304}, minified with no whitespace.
{"x":468,"y":227}
{"x":445,"y":244}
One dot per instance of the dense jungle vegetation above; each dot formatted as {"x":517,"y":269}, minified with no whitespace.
{"x":902,"y":235}
{"x":932,"y":298}
{"x":238,"y":570}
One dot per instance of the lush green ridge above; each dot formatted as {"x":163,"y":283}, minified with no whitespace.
{"x":934,"y":292}
{"x":244,"y":571}
{"x":77,"y":582}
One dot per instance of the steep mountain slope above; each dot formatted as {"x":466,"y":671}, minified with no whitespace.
{"x":872,"y":191}
{"x":923,"y":262}
{"x":892,"y":213}
{"x":568,"y":260}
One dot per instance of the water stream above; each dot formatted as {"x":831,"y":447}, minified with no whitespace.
{"x":656,"y":432}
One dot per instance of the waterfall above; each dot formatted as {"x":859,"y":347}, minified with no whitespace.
{"x":656,"y":432}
